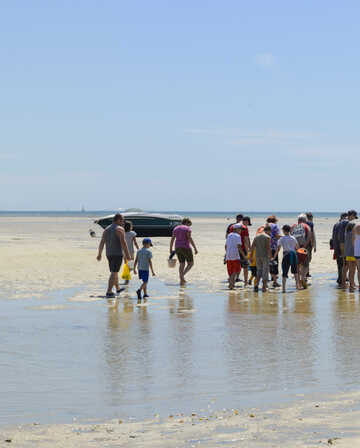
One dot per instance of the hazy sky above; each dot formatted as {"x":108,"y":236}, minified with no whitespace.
{"x":180,"y":105}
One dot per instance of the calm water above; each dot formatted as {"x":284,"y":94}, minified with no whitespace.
{"x":62,"y":359}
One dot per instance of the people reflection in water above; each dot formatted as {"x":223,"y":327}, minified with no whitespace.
{"x":183,"y":305}
{"x":127,"y":346}
{"x":345,"y":328}
{"x":271,"y":340}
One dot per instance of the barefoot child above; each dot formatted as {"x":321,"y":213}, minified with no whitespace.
{"x":289,"y":245}
{"x":143,"y":261}
{"x":234,"y":252}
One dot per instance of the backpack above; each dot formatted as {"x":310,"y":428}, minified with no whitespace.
{"x":299,"y":232}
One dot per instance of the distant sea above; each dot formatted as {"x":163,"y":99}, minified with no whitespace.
{"x":205,"y":214}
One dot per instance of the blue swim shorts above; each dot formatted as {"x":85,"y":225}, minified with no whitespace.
{"x":144,"y":276}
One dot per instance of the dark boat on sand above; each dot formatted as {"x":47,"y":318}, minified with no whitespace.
{"x":146,"y":224}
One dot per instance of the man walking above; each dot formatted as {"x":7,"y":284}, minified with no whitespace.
{"x":261,"y":249}
{"x":113,"y":239}
{"x":312,"y":245}
{"x":275,"y":235}
{"x":302,"y":233}
{"x":356,"y":245}
{"x":351,"y":215}
{"x":245,"y":245}
{"x":336,"y":246}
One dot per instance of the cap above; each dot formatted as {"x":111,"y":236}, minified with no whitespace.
{"x":343,"y":215}
{"x":353,"y":212}
{"x":147,"y":241}
{"x":247,"y":218}
{"x":237,"y":226}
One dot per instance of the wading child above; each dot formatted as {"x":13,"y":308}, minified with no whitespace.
{"x":289,"y":245}
{"x":234,"y":252}
{"x":143,"y":261}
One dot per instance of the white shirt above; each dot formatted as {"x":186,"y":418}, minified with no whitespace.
{"x":232,"y":242}
{"x":288,"y":243}
{"x":129,"y":238}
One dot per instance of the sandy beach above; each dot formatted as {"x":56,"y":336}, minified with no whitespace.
{"x":54,"y":253}
{"x":247,"y":367}
{"x":308,"y":423}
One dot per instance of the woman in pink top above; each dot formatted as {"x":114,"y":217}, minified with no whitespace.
{"x":183,"y":242}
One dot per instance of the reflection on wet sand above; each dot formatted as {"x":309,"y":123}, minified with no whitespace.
{"x":182,"y":349}
{"x":271,"y":340}
{"x":180,"y":342}
{"x":127,"y":349}
{"x":182,"y":306}
{"x":346,"y":337}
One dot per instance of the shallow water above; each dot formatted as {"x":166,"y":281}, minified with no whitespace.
{"x":69,"y":355}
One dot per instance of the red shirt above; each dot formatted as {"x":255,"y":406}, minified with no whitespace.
{"x":244,"y":233}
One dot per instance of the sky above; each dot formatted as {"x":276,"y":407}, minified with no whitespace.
{"x":179,"y":105}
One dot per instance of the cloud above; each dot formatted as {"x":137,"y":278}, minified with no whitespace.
{"x":264,"y":60}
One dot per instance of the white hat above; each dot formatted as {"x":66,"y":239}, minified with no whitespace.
{"x":237,"y":226}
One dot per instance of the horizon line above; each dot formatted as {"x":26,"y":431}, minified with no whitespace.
{"x":159,"y":211}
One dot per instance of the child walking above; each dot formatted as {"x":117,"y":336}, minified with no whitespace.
{"x":289,"y":245}
{"x":252,"y":261}
{"x":143,"y":261}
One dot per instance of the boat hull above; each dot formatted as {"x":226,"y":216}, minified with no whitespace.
{"x":146,"y":226}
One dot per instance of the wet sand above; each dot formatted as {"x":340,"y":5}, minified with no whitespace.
{"x":69,"y":354}
{"x":308,"y":423}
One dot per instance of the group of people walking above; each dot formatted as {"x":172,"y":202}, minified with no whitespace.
{"x":261,"y":256}
{"x":297,"y":242}
{"x":119,"y":240}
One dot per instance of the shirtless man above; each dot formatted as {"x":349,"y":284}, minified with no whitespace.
{"x":113,"y":239}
